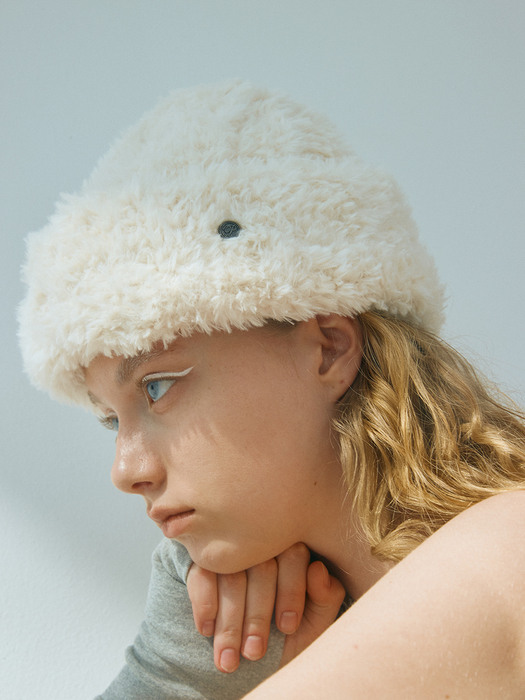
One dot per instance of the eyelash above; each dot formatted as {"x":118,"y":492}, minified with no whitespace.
{"x":108,"y":422}
{"x":161,"y":377}
{"x":111,"y":422}
{"x":153,"y":379}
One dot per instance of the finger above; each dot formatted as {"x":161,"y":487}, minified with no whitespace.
{"x":323,"y":602}
{"x":229,"y":622}
{"x":325,"y":595}
{"x":291,"y":587}
{"x":260,"y":598}
{"x":203,"y":593}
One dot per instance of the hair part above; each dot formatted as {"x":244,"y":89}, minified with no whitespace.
{"x":422,"y":436}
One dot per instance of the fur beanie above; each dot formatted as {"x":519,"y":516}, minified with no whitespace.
{"x":225,"y":206}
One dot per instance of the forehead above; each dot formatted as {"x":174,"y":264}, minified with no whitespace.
{"x":123,"y":367}
{"x":262,"y":357}
{"x":119,"y":369}
{"x":128,"y":365}
{"x":240,"y":344}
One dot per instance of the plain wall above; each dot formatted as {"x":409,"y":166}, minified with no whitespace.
{"x":433,"y":91}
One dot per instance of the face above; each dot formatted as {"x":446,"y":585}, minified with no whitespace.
{"x":227,"y":438}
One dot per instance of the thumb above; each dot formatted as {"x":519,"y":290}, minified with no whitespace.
{"x":325,"y":595}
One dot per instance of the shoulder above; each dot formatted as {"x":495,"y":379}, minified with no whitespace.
{"x":488,"y":532}
{"x":458,"y":599}
{"x":508,"y":506}
{"x":481,"y":551}
{"x":447,"y":621}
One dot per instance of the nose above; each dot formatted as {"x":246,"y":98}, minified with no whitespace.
{"x":138,"y":466}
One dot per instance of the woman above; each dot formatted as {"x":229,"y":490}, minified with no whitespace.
{"x":249,"y":306}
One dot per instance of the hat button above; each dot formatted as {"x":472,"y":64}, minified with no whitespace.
{"x":228,"y":229}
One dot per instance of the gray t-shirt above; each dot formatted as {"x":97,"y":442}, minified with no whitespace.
{"x":169,"y":658}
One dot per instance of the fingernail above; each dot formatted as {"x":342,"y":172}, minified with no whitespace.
{"x":288,"y":622}
{"x":253,"y":648}
{"x":229,"y":660}
{"x":208,"y":628}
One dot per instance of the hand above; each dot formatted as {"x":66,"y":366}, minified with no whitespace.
{"x":238,"y":608}
{"x":324,"y":597}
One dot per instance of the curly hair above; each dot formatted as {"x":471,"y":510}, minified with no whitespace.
{"x":422,"y":436}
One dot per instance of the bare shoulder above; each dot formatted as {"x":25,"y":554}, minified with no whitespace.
{"x":480,"y":549}
{"x":503,"y":511}
{"x":507,"y":505}
{"x":447,"y":621}
{"x":496,"y":525}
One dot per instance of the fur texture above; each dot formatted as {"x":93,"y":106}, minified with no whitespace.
{"x":135,"y":257}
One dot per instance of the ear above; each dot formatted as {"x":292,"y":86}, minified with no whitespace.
{"x":341,"y":352}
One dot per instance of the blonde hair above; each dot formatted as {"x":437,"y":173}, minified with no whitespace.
{"x":421,"y":436}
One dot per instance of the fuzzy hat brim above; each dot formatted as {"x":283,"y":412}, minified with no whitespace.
{"x":136,"y":257}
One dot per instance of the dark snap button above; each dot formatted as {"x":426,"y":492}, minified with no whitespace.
{"x":229,"y":229}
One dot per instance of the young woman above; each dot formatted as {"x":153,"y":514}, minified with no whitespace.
{"x":248,"y":305}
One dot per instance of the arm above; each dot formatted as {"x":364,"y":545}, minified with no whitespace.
{"x":238,"y":608}
{"x":448,"y":621}
{"x":169,"y":658}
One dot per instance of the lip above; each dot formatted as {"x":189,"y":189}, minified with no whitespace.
{"x":172,"y":522}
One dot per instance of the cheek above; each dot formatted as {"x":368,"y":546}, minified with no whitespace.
{"x":268,"y":432}
{"x":254,"y":422}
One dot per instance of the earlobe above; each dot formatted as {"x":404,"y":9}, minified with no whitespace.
{"x":341,"y":352}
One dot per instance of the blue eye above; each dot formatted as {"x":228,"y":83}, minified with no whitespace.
{"x":155,"y":385}
{"x":156,"y":388}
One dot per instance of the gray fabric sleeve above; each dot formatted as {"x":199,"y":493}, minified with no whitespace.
{"x":169,"y":658}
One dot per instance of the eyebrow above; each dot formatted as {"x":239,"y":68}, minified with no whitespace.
{"x":126,"y":368}
{"x":128,"y":365}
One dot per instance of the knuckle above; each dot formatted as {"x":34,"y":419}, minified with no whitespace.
{"x":207,"y":608}
{"x":203,"y":600}
{"x":199,"y":580}
{"x":258,"y":620}
{"x":229,"y":633}
{"x":292,"y":601}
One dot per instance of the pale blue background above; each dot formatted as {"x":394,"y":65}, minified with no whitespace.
{"x":433,"y":90}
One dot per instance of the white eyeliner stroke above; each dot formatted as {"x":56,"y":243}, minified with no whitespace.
{"x":166,"y":375}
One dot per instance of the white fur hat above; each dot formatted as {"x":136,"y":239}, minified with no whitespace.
{"x":225,"y":206}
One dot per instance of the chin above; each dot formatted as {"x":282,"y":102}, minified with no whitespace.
{"x":224,"y":557}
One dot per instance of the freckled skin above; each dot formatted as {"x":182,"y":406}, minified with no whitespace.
{"x":244,"y":439}
{"x":447,"y":621}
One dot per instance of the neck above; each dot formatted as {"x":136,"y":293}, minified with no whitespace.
{"x":340,"y":544}
{"x":356,"y":568}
